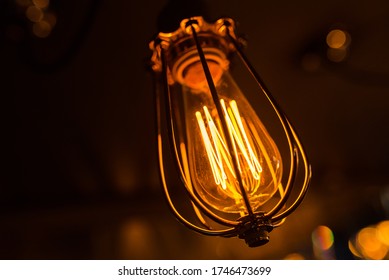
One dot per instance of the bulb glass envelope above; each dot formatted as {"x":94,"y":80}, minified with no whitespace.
{"x":229,"y":164}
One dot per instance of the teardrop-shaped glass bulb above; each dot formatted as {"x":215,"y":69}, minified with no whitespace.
{"x":208,"y":160}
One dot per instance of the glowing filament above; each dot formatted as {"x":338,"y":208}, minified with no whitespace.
{"x":217,"y":152}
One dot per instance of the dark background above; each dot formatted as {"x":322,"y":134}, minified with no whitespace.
{"x":79,"y":174}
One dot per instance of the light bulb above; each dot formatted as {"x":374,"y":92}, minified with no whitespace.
{"x":209,"y":160}
{"x":229,"y":164}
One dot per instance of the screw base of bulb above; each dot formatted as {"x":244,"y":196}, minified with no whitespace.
{"x":257,"y":237}
{"x":255,"y":232}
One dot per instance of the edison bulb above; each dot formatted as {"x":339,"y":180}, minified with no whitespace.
{"x":207,"y":162}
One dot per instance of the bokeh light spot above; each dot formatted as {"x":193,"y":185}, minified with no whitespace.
{"x":370,"y":245}
{"x":41,"y":29}
{"x":41,"y":3}
{"x":337,"y":55}
{"x":294,"y":256}
{"x":323,"y":238}
{"x":383,"y":232}
{"x":34,"y":14}
{"x":337,"y":39}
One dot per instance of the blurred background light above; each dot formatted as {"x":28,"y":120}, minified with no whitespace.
{"x":323,"y":241}
{"x":294,"y":256}
{"x":372,"y":242}
{"x":337,"y":39}
{"x":41,"y":29}
{"x":336,"y":55}
{"x":338,"y":42}
{"x":383,"y":232}
{"x":41,"y":3}
{"x":34,"y":14}
{"x":369,"y":244}
{"x":137,"y":239}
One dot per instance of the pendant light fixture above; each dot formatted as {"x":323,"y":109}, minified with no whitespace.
{"x":231,"y":168}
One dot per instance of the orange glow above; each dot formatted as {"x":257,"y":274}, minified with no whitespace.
{"x":337,"y":55}
{"x":323,"y":238}
{"x":41,"y":3}
{"x":338,"y":42}
{"x":254,"y":155}
{"x":188,"y":70}
{"x":367,"y":239}
{"x":136,"y":239}
{"x":34,"y":14}
{"x":370,"y":245}
{"x":294,"y":256}
{"x":195,"y":77}
{"x":218,"y":154}
{"x":354,"y":250}
{"x":337,"y":39}
{"x":383,"y":232}
{"x":41,"y":29}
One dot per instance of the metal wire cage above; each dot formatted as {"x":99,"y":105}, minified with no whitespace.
{"x":229,"y":164}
